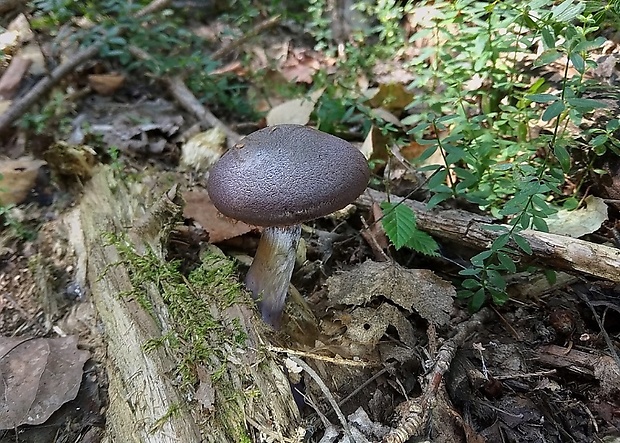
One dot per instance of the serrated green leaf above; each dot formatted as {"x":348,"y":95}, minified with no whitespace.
{"x":398,"y":222}
{"x":423,"y":243}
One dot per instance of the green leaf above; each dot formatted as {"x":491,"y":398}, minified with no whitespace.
{"x":507,"y":262}
{"x":578,"y":62}
{"x":567,"y":11}
{"x":522,"y":243}
{"x":548,"y":56}
{"x":500,"y":242}
{"x":542,"y":98}
{"x":553,"y":110}
{"x":436,"y":199}
{"x":540,"y":224}
{"x":548,"y":38}
{"x":586,"y":104}
{"x":588,"y":45}
{"x":423,"y":243}
{"x":478,"y":259}
{"x":470,"y":283}
{"x":551,"y":276}
{"x":399,"y":223}
{"x":563,"y":157}
{"x":477,"y":300}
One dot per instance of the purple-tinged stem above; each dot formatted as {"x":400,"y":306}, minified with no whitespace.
{"x":271,"y":270}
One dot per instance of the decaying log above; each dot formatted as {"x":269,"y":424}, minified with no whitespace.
{"x":551,"y":250}
{"x":251,"y":395}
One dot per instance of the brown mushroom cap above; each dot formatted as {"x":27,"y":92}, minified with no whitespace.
{"x":287,"y":174}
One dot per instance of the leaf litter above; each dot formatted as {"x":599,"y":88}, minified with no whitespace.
{"x":38,"y":375}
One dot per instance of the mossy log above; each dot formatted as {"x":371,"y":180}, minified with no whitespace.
{"x":249,"y":397}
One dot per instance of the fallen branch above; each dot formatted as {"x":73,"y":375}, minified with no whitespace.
{"x":19,"y":107}
{"x":551,"y":250}
{"x":186,"y":98}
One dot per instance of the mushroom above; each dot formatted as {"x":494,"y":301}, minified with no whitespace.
{"x":279,"y":177}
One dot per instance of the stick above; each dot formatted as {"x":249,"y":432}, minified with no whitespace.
{"x":552,"y":250}
{"x":44,"y":85}
{"x":187,"y":99}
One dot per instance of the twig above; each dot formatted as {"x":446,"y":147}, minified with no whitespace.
{"x":311,"y":372}
{"x":418,"y":410}
{"x":187,"y":99}
{"x":260,"y":27}
{"x":612,"y":350}
{"x":44,"y":85}
{"x":336,"y":361}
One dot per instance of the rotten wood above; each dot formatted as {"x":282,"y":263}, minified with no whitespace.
{"x":551,"y":250}
{"x":145,"y":401}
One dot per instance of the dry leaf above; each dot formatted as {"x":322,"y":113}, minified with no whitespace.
{"x":394,"y":97}
{"x":300,"y":66}
{"x":368,"y":325}
{"x":18,"y":178}
{"x":12,"y":77}
{"x":38,"y":376}
{"x":106,"y":84}
{"x":202,"y":150}
{"x":375,"y":145}
{"x":199,"y":207}
{"x":579,"y":222}
{"x":417,"y":290}
{"x":295,"y":111}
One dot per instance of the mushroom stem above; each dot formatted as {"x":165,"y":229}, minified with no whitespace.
{"x":269,"y":276}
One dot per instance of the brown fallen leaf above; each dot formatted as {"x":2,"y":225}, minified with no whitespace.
{"x":17,"y":178}
{"x":417,"y":290}
{"x":38,"y":376}
{"x":12,"y":77}
{"x":198,"y":206}
{"x":296,"y":111}
{"x":106,"y":84}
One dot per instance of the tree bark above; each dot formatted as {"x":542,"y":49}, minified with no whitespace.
{"x":145,"y":401}
{"x":550,"y":250}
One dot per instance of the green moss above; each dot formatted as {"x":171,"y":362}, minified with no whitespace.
{"x":198,"y":336}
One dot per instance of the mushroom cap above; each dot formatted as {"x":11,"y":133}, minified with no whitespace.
{"x":287,"y":174}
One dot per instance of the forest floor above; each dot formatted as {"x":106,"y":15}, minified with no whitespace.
{"x":394,"y":348}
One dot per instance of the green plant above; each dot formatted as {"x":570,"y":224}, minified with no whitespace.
{"x":481,"y":130}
